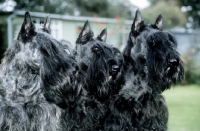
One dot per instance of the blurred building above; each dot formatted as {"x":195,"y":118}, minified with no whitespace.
{"x":68,"y":27}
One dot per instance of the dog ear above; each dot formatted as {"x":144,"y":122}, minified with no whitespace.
{"x":27,"y":28}
{"x":159,"y":22}
{"x":103,"y":35}
{"x":86,"y":33}
{"x":86,"y":29}
{"x":47,"y":24}
{"x":138,"y":18}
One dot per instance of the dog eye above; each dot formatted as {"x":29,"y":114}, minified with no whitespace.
{"x":97,"y":49}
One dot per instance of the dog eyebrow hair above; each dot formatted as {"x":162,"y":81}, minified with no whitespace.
{"x":105,"y":47}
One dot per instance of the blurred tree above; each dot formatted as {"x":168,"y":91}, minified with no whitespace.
{"x":191,"y":66}
{"x":48,"y":6}
{"x":101,"y":8}
{"x":193,"y":9}
{"x":171,"y":11}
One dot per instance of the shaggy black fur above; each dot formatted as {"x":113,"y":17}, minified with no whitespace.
{"x":62,"y":81}
{"x":101,"y":65}
{"x":59,"y":73}
{"x":29,"y":78}
{"x":152,"y":65}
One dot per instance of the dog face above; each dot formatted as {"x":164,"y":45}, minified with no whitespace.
{"x":97,"y":59}
{"x":156,"y":52}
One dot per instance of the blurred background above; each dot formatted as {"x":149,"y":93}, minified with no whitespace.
{"x":181,"y":17}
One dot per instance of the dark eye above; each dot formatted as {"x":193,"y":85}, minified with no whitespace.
{"x":97,"y":49}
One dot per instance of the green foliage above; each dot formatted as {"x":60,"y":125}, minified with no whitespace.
{"x":191,"y":66}
{"x":90,"y":8}
{"x":48,"y":6}
{"x":194,"y":10}
{"x":170,"y":10}
{"x":101,"y":8}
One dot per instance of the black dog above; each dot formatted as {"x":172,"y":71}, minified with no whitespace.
{"x":101,"y":62}
{"x":152,"y":65}
{"x":101,"y":65}
{"x":156,"y":51}
{"x":26,"y":84}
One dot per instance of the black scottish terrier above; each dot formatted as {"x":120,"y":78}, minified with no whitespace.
{"x":101,"y":62}
{"x":152,"y":65}
{"x":156,"y":51}
{"x":31,"y":80}
{"x":101,"y":65}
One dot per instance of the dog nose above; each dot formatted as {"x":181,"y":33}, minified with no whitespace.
{"x":115,"y":68}
{"x":173,"y":61}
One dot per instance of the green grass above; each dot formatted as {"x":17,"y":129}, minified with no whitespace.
{"x":184,"y":108}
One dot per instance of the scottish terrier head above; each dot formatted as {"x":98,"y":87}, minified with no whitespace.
{"x":46,"y":57}
{"x":100,"y":61}
{"x":24,"y":52}
{"x":155,"y":52}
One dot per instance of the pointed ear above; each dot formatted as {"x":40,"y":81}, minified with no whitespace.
{"x":86,"y":29}
{"x":138,"y":18}
{"x":103,"y":35}
{"x":47,"y":24}
{"x":86,"y":33}
{"x":27,"y":29}
{"x":27,"y":25}
{"x":159,"y":22}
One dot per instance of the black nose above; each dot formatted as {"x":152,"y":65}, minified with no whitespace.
{"x":115,"y":68}
{"x":173,"y":62}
